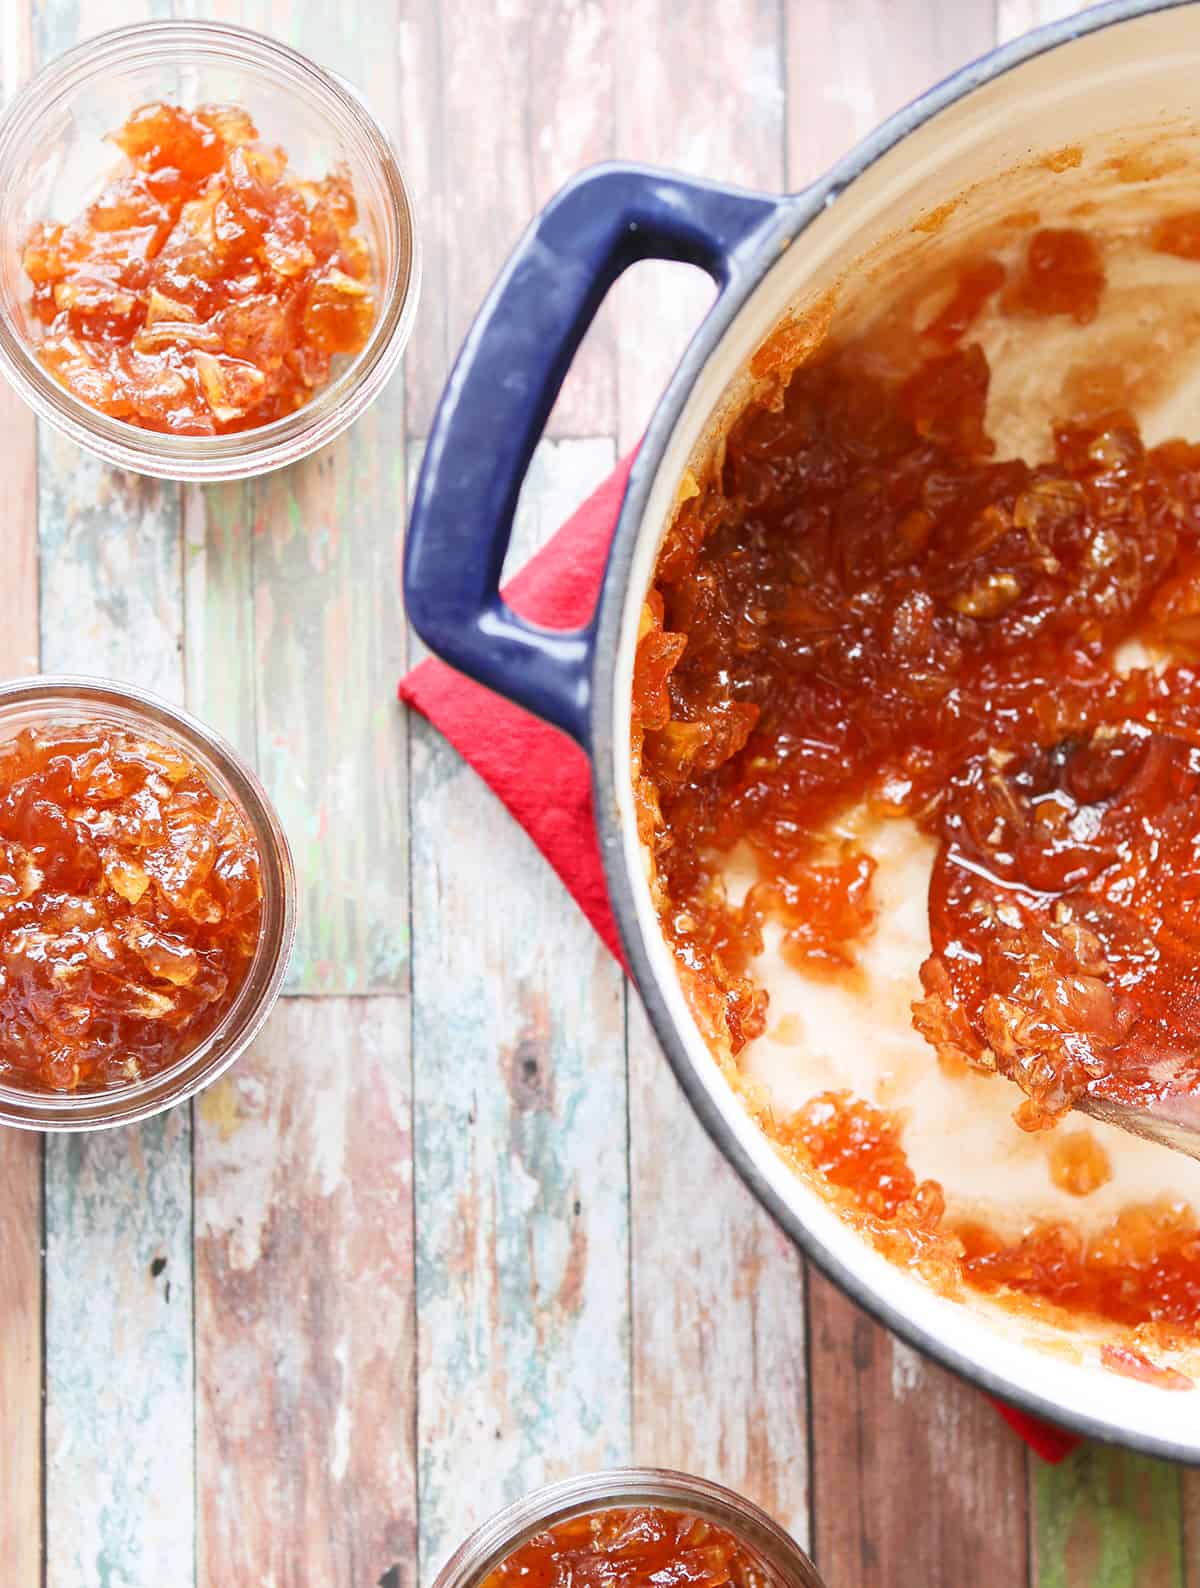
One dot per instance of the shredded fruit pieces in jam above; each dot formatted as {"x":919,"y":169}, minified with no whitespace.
{"x":206,"y":290}
{"x":634,"y":1548}
{"x":1065,"y":915}
{"x":130,"y":899}
{"x":1141,"y":1270}
{"x":864,"y":610}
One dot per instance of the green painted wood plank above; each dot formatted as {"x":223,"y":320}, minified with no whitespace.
{"x":295,"y":634}
{"x":119,"y":1443}
{"x":520,"y":1141}
{"x":1107,"y":1519}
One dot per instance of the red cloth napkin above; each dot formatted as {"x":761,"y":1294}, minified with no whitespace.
{"x":544,"y":777}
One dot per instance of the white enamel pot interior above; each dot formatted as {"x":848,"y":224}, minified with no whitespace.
{"x":1125,"y":92}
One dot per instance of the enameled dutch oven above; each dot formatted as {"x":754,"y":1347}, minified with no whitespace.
{"x":1123,"y":77}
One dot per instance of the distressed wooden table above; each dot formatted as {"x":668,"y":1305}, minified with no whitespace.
{"x":450,"y":1231}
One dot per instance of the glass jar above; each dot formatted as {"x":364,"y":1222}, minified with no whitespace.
{"x":54,"y":159}
{"x":47,"y":699}
{"x":784,"y":1563}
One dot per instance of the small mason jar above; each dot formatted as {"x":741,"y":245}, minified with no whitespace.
{"x":46,"y":700}
{"x":783,"y":1563}
{"x":54,"y":158}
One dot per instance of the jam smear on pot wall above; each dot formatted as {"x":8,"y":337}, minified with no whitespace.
{"x":1141,"y":1270}
{"x":207,"y":290}
{"x":606,"y":1549}
{"x":130,"y":904}
{"x":864,"y":609}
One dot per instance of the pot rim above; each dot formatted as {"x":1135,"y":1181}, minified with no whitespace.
{"x":797,"y":211}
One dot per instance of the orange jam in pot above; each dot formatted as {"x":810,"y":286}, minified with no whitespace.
{"x":861,"y":614}
{"x":130,"y":906}
{"x":206,"y":290}
{"x":637,"y":1548}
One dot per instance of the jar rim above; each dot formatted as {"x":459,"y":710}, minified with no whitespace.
{"x":128,"y":705}
{"x":296,"y":435}
{"x":620,"y":1488}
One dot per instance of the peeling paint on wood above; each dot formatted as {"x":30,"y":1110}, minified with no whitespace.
{"x":471,"y":67}
{"x":1107,"y":1519}
{"x":118,"y":1351}
{"x":296,"y":641}
{"x":719,"y":1380}
{"x":851,"y":66}
{"x":520,"y":1125}
{"x":20,"y":1151}
{"x":306,"y":1403}
{"x":1014,"y":17}
{"x":700,"y":89}
{"x":915,"y":1478}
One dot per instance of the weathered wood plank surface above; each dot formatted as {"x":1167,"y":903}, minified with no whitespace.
{"x":118,"y":1203}
{"x":915,"y":1479}
{"x":296,"y":637}
{"x":1105,"y":1519}
{"x":20,"y":1152}
{"x":303,"y":1192}
{"x":719,"y":1376}
{"x":520,"y":1132}
{"x":503,"y":105}
{"x":306,"y":1405}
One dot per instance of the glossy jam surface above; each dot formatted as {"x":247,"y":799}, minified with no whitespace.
{"x":1065,"y":916}
{"x":1140,"y":1270}
{"x":130,"y":903}
{"x":864,"y":612}
{"x":207,"y":290}
{"x":643,"y":1548}
{"x":867,"y":608}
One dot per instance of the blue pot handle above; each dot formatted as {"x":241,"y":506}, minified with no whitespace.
{"x":499,"y":396}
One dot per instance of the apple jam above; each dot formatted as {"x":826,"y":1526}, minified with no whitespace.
{"x":206,"y":290}
{"x":1140,"y":1270}
{"x":862,"y":613}
{"x":866,"y":608}
{"x":130,"y":903}
{"x":611,"y":1548}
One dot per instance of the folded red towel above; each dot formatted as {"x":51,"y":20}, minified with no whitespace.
{"x":544,"y":778}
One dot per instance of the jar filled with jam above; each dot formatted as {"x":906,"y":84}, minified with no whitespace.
{"x":630,"y":1528}
{"x":147,"y":904}
{"x":210,"y":267}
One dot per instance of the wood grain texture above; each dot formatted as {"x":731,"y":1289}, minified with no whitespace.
{"x":700,"y":90}
{"x":506,"y":103}
{"x":1014,"y":17}
{"x":118,"y":1203}
{"x":295,"y":646}
{"x":719,"y":1379}
{"x":1107,"y":1519}
{"x":306,"y":1404}
{"x":118,"y":1319}
{"x":850,"y":65}
{"x":20,"y":1151}
{"x":520,"y":1134}
{"x":915,"y":1478}
{"x":295,"y":634}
